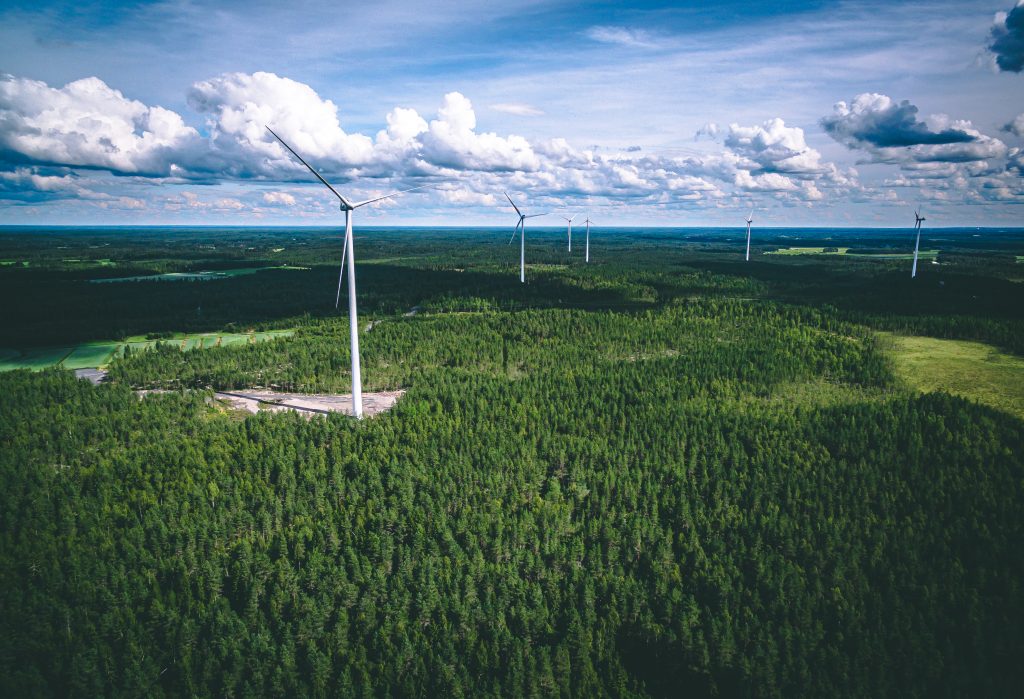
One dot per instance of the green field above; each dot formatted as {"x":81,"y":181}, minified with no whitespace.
{"x":923,"y":254}
{"x":90,"y":355}
{"x":34,"y":359}
{"x":227,"y":340}
{"x":969,"y":369}
{"x":100,"y":263}
{"x":807,"y":251}
{"x":201,"y":276}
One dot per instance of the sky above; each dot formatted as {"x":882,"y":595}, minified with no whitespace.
{"x":636,"y":113}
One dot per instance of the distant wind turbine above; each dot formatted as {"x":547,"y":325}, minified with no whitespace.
{"x":522,"y":237}
{"x":348,"y":253}
{"x":569,"y":221}
{"x":918,"y":220}
{"x":750,"y":219}
{"x":588,"y":237}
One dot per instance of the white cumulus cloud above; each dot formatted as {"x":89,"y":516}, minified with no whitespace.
{"x":88,"y":124}
{"x":278,"y":199}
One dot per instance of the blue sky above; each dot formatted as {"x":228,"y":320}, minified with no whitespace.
{"x":842,"y":113}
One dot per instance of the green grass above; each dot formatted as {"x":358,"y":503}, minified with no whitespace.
{"x":921,"y":255}
{"x":91,"y":355}
{"x":852,"y":252}
{"x":807,"y":251}
{"x":100,"y":263}
{"x":272,"y":335}
{"x":34,"y":359}
{"x":970,"y":369}
{"x":233,"y":339}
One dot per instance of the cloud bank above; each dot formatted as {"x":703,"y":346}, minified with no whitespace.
{"x":51,"y":139}
{"x":90,"y":125}
{"x":892,"y":132}
{"x":1006,"y":39}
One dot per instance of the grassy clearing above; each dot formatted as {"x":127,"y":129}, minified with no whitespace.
{"x":195,"y":276}
{"x":807,"y":251}
{"x":970,"y":369}
{"x":98,"y":263}
{"x":93,"y":355}
{"x":235,"y":339}
{"x":921,"y":255}
{"x":34,"y":359}
{"x":852,"y":252}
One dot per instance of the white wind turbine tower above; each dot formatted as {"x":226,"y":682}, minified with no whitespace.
{"x":918,"y":220}
{"x":569,"y":221}
{"x":522,"y":237}
{"x":349,"y":250}
{"x":750,"y":219}
{"x":587,"y":259}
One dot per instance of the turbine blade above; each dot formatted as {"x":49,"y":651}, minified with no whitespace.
{"x":535,"y":215}
{"x":512,"y":203}
{"x":341,"y":270}
{"x":515,"y":231}
{"x":309,"y":167}
{"x":388,"y":196}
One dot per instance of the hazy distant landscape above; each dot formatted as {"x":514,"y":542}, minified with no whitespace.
{"x":666,"y":470}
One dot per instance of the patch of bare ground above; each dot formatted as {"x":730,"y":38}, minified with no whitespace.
{"x":308,"y":404}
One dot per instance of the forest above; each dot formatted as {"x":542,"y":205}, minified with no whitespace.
{"x":665,"y":473}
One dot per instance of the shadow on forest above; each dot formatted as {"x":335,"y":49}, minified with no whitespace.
{"x":660,"y":666}
{"x":55,"y":309}
{"x":882,"y":290}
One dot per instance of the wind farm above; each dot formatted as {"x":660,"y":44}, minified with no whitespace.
{"x":689,"y":462}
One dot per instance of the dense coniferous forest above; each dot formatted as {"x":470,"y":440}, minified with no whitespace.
{"x":665,"y":473}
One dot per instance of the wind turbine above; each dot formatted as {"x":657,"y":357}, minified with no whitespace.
{"x":522,"y":237}
{"x":348,"y":252}
{"x":569,"y":221}
{"x":918,"y":220}
{"x":588,"y":237}
{"x":750,"y":219}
